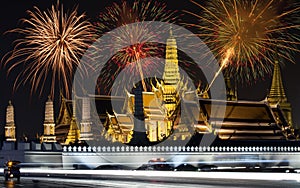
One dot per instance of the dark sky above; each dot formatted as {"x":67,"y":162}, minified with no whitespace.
{"x":29,"y":109}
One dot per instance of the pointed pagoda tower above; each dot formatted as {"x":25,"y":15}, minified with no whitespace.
{"x":277,"y":94}
{"x":172,"y":87}
{"x":73,"y":134}
{"x":49,"y":125}
{"x":10,"y":129}
{"x":171,"y":76}
{"x":85,"y":124}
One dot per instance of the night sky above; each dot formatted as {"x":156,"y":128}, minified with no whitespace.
{"x":29,"y":108}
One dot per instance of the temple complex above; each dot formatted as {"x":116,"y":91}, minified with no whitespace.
{"x":166,"y":111}
{"x":154,"y":115}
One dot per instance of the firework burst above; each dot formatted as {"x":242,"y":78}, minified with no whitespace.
{"x":52,"y":44}
{"x":123,"y":15}
{"x":258,"y":32}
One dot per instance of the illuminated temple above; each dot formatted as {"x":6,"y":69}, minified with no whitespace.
{"x":154,"y":115}
{"x":158,"y":112}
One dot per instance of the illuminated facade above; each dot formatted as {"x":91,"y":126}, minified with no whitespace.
{"x":120,"y":128}
{"x":157,"y":124}
{"x":10,"y":129}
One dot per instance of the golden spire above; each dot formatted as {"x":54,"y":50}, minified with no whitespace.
{"x":277,"y":93}
{"x":171,"y":75}
{"x":74,"y":133}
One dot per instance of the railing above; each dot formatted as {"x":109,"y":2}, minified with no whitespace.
{"x":109,"y":149}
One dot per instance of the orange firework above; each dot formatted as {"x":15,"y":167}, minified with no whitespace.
{"x":259,"y":32}
{"x":52,"y":44}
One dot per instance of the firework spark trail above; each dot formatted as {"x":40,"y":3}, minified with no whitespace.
{"x":259,"y":32}
{"x":52,"y":45}
{"x":137,"y":36}
{"x":225,"y":61}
